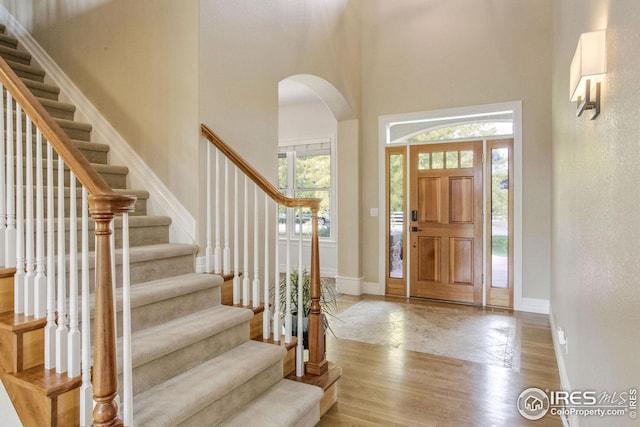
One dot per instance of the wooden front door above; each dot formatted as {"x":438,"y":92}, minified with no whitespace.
{"x":446,"y":221}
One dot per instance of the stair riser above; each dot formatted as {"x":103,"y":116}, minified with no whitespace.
{"x":116,"y":179}
{"x":140,"y":206}
{"x":149,"y":315}
{"x":26,"y":74}
{"x":7,"y":41}
{"x":138,"y":236}
{"x":170,"y":365}
{"x":41,"y":92}
{"x":93,"y":156}
{"x":13,"y":55}
{"x":59,"y":113}
{"x":235,"y":399}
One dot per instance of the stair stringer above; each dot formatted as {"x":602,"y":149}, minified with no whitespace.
{"x":161,"y":201}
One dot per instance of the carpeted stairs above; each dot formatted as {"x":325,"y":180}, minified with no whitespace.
{"x":193,"y":362}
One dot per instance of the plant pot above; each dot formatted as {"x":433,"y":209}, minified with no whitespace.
{"x":305,"y":329}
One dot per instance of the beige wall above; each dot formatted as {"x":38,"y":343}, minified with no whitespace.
{"x":595,"y":293}
{"x":427,"y":55}
{"x":248,"y":46}
{"x":137,"y":62}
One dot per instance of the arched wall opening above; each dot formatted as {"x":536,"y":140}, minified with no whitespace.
{"x":312,"y":112}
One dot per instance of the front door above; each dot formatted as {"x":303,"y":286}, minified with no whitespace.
{"x":446,"y":221}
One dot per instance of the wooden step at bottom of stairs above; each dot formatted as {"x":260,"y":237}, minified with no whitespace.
{"x":43,"y":397}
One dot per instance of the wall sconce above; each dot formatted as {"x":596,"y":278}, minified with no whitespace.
{"x":588,"y":66}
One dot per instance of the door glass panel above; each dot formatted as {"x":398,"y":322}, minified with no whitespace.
{"x":423,"y":161}
{"x":396,"y":215}
{"x":466,"y":159}
{"x":437,"y":160}
{"x":500,"y":217}
{"x":452,"y":160}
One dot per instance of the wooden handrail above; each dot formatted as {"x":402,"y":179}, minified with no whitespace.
{"x":317,"y":364}
{"x":104,"y":204}
{"x":255,"y":176}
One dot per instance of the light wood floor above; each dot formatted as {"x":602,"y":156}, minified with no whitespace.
{"x":386,"y":386}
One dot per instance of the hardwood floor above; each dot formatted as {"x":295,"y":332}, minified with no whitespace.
{"x":383,"y":385}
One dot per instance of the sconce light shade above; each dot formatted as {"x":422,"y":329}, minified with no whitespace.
{"x":588,"y":66}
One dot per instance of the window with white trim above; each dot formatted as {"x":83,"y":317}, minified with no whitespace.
{"x":304,"y":171}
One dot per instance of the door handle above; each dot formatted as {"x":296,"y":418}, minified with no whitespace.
{"x":414,"y":215}
{"x":414,"y":229}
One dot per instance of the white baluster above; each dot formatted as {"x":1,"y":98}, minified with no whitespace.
{"x":287,"y":314}
{"x":236,"y":241}
{"x":3,"y":177}
{"x":30,"y":274}
{"x":266,"y":314}
{"x":62,"y":331}
{"x":226,"y":253}
{"x":73,"y":368}
{"x":217,"y":253}
{"x":276,"y":271}
{"x":86,"y":389}
{"x":256,"y":250}
{"x":50,"y":328}
{"x":18,"y":278}
{"x":10,"y":233}
{"x":126,"y":326}
{"x":209,"y":249}
{"x":301,"y":309}
{"x":40,"y":282}
{"x":245,"y":274}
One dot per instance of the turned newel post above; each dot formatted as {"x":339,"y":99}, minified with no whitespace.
{"x":105,"y":374}
{"x":317,"y":364}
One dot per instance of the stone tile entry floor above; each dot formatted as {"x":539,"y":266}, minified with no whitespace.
{"x":458,"y":331}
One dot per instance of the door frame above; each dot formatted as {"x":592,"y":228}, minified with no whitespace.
{"x":384,"y":126}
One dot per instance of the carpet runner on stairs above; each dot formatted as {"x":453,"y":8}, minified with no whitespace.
{"x":193,"y":362}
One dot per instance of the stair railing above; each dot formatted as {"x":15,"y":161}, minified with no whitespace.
{"x":247,"y":292}
{"x":38,"y":280}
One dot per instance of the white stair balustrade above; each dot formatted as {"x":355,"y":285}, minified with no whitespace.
{"x":277,"y":325}
{"x":73,"y":351}
{"x":50,"y":328}
{"x":40,"y":281}
{"x":236,"y":240}
{"x":255,"y":292}
{"x":18,"y":278}
{"x":226,"y":252}
{"x":300,"y":312}
{"x":62,"y":332}
{"x":209,"y":248}
{"x":266,"y":314}
{"x":86,"y":389}
{"x":30,"y":273}
{"x":10,"y":232}
{"x":217,"y":252}
{"x":245,"y":246}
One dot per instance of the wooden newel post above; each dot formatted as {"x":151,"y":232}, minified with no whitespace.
{"x":105,"y":373}
{"x":317,"y":364}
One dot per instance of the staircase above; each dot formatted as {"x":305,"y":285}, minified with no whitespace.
{"x":193,"y":362}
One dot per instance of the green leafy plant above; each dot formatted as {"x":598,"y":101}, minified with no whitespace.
{"x":328,"y":304}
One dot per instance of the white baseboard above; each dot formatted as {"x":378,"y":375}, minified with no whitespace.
{"x":373,"y":288}
{"x":161,"y":200}
{"x":562,"y":367}
{"x":533,"y":305}
{"x":349,"y":285}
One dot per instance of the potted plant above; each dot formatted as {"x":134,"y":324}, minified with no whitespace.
{"x":328,"y":304}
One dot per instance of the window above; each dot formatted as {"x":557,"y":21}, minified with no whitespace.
{"x":304,"y":171}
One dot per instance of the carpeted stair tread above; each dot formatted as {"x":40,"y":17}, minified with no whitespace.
{"x":286,"y":404}
{"x":57,"y":109}
{"x":13,"y":54}
{"x":177,"y":399}
{"x":26,"y":71}
{"x":157,"y":341}
{"x":163,"y":289}
{"x":8,"y":41}
{"x":41,"y":89}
